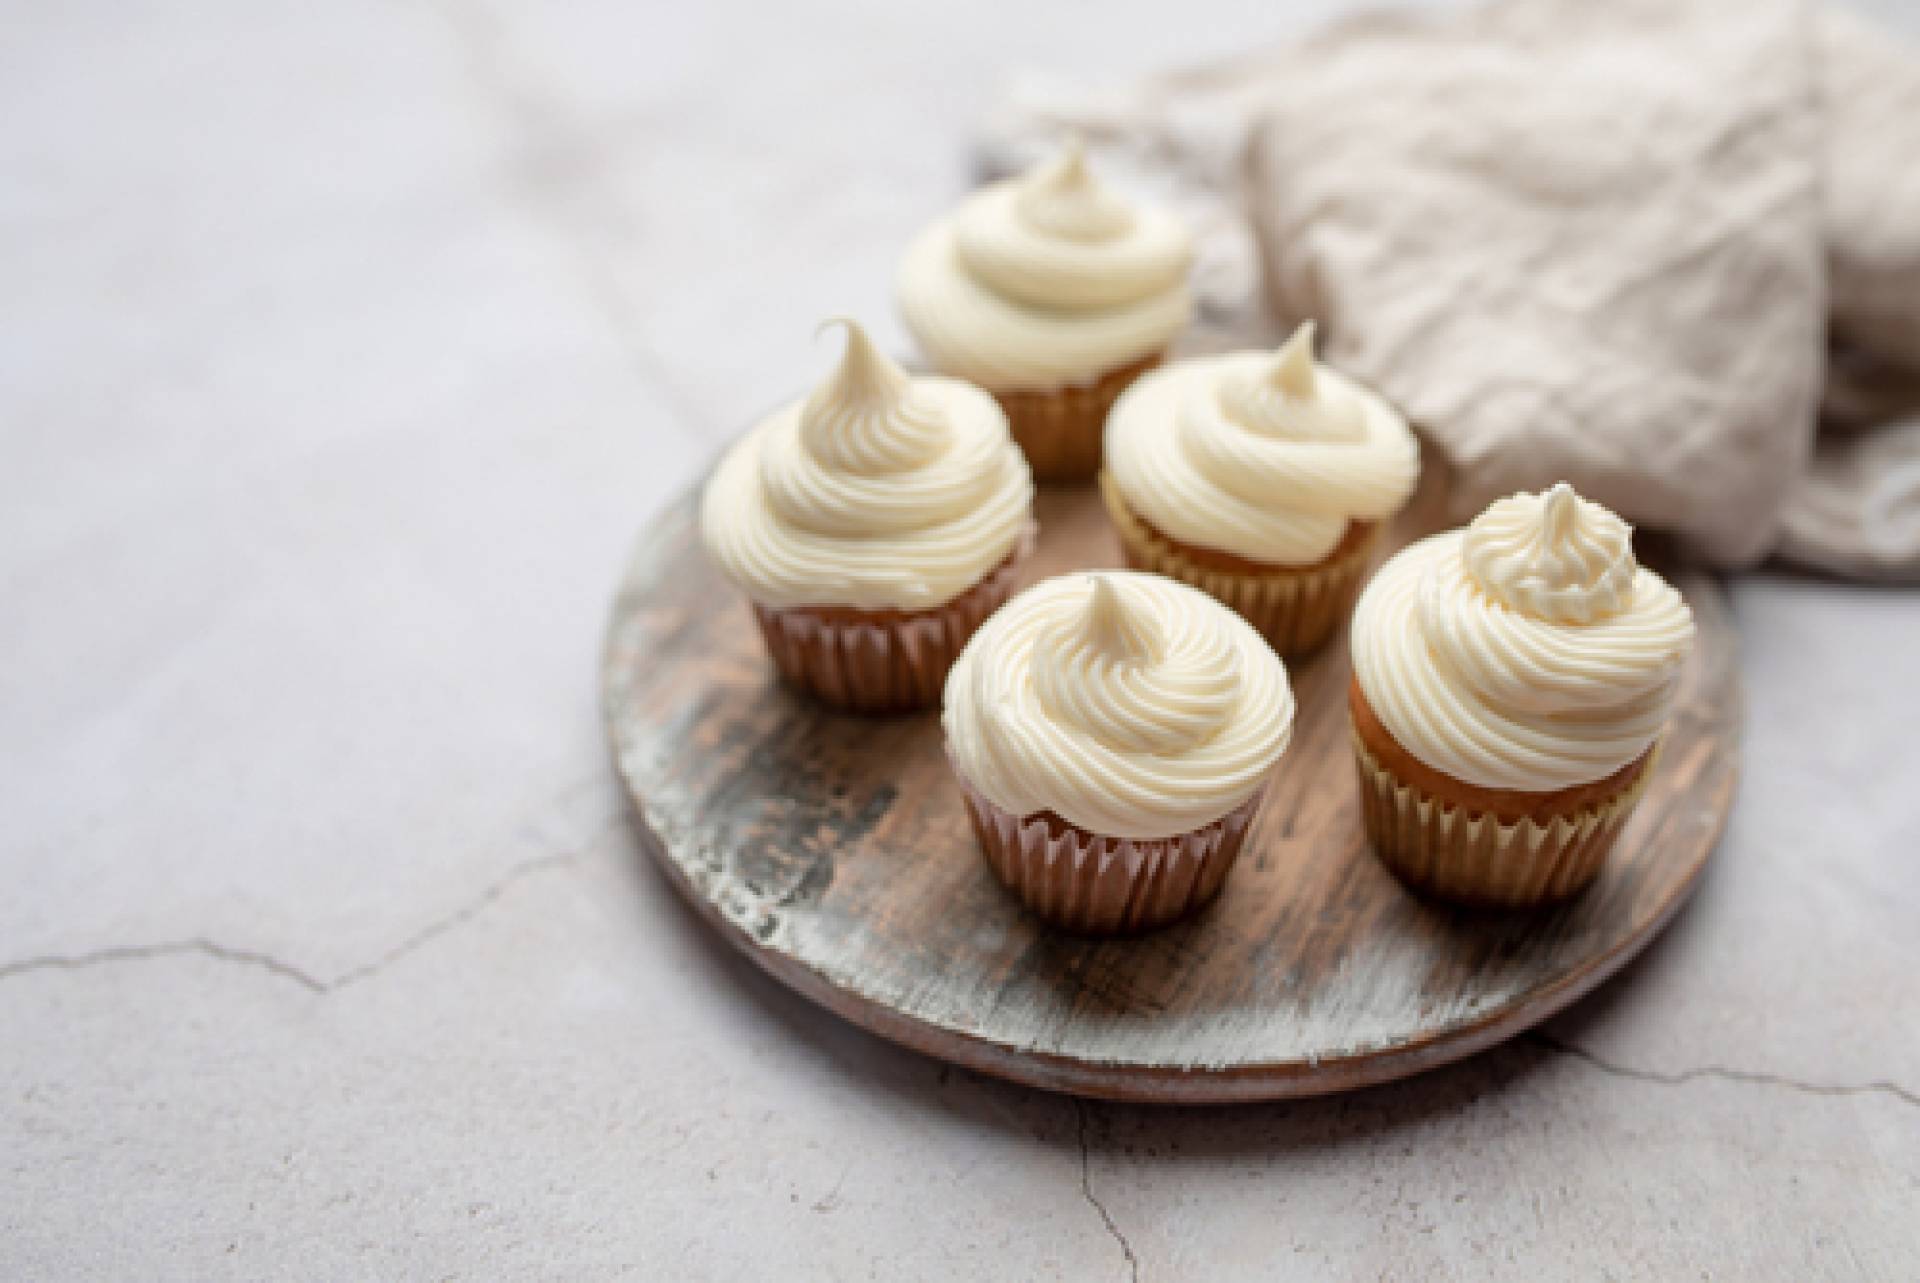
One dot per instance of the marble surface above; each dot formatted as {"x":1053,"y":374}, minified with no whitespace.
{"x":343,"y":349}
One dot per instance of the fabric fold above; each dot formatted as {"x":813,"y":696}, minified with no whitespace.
{"x":1605,"y":244}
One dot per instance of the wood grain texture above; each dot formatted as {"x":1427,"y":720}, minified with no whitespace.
{"x":834,"y":850}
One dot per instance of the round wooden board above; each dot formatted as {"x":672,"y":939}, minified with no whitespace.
{"x":835,"y":852}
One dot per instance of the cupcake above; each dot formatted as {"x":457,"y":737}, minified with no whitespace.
{"x":1054,"y":294}
{"x":1114,"y":734}
{"x":1511,"y":682}
{"x":872,"y":525}
{"x":1261,"y":479}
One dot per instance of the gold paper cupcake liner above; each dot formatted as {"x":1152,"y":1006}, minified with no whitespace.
{"x":1296,"y":610}
{"x":1060,"y":429}
{"x":1093,"y":885}
{"x":893,"y":662}
{"x":1475,"y":859}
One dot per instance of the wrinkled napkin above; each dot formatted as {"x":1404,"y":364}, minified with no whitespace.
{"x":1668,"y":251}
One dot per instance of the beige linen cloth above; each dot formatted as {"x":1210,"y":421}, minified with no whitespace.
{"x":1667,"y":251}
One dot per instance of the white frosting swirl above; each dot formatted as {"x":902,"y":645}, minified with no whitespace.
{"x":1267,"y":456}
{"x":1527,"y":651}
{"x":1128,"y":704}
{"x":1556,"y":556}
{"x":1046,"y":280}
{"x":877,"y":491}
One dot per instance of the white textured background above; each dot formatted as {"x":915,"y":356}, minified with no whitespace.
{"x":343,"y":349}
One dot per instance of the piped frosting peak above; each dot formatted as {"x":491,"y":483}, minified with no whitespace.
{"x":1046,"y":279}
{"x":1064,"y":198}
{"x":1128,"y":704}
{"x":876,"y":490}
{"x":1292,"y":368}
{"x":1287,"y":397}
{"x":865,"y":375}
{"x":1266,"y":455}
{"x":1528,"y":651}
{"x":868,"y":418}
{"x":1117,"y":627}
{"x":1553,"y":555}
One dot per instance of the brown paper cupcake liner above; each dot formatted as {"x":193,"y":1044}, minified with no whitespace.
{"x":1060,"y":429}
{"x":883,"y":661}
{"x":1296,"y":610}
{"x":1095,"y":885}
{"x":1472,"y":858}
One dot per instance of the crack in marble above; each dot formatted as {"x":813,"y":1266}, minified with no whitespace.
{"x":1093,"y":1200}
{"x":168,"y":949}
{"x":203,"y":947}
{"x":1724,"y":1073}
{"x":459,"y":917}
